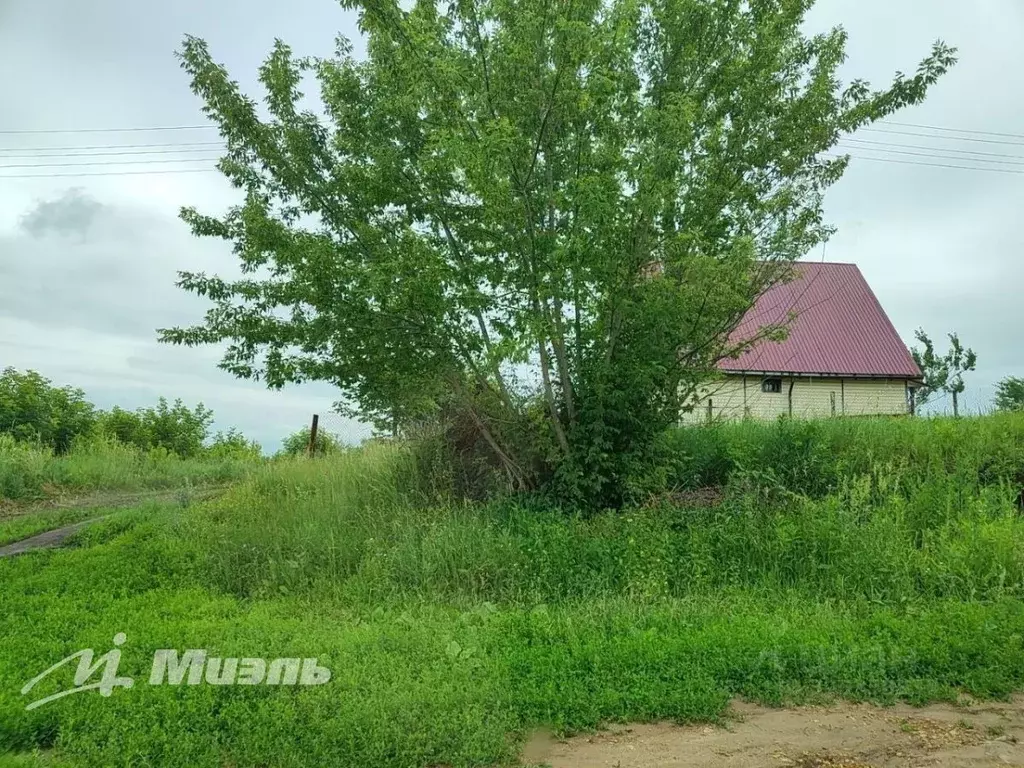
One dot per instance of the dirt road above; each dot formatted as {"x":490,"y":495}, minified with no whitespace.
{"x":841,"y":736}
{"x":99,"y":501}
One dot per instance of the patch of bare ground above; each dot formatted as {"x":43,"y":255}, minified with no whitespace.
{"x":57,"y":498}
{"x":841,"y":736}
{"x":693,"y":498}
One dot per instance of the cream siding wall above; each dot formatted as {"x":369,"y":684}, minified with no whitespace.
{"x":734,"y":398}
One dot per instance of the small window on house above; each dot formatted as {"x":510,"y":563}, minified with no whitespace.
{"x":773,"y":386}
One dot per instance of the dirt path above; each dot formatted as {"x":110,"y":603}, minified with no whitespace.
{"x":10,"y":509}
{"x":841,"y":736}
{"x":47,"y":540}
{"x":103,"y":500}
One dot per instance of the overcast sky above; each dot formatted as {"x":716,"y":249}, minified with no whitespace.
{"x":87,"y":263}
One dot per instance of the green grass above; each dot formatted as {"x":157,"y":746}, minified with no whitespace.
{"x":817,"y":456}
{"x":37,"y":759}
{"x":30,"y":472}
{"x":452,"y":630}
{"x":29,"y":524}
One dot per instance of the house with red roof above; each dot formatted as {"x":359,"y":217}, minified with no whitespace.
{"x":842,"y":355}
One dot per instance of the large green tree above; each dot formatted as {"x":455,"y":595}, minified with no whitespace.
{"x":539,"y":217}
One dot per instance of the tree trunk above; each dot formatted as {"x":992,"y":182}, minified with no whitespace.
{"x":556,"y":422}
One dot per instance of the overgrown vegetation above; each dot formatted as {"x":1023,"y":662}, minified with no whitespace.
{"x":1010,"y":394}
{"x":172,"y":427}
{"x":33,"y":410}
{"x":54,"y":440}
{"x":596,"y":192}
{"x":877,"y":559}
{"x":297,"y":443}
{"x":28,"y":471}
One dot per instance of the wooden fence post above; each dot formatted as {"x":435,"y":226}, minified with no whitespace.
{"x":312,"y":434}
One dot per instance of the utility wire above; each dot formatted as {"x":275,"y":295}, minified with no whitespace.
{"x":214,"y":146}
{"x":925,"y":146}
{"x":944,"y":138}
{"x":112,"y":162}
{"x":115,"y":150}
{"x":110,"y":130}
{"x":59,"y":151}
{"x":108,"y":173}
{"x":209,"y":127}
{"x":938,"y":156}
{"x":215,"y":170}
{"x":953,"y":130}
{"x":934,"y":165}
{"x":58,"y":156}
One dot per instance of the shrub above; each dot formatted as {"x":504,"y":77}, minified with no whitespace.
{"x":124,"y":426}
{"x":31,"y":408}
{"x":297,"y":443}
{"x":175,"y":428}
{"x":234,"y":445}
{"x":22,"y":468}
{"x":1010,"y":394}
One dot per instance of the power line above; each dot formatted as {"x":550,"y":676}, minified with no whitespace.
{"x":954,"y":130}
{"x":934,"y":165}
{"x":84,"y":152}
{"x":112,"y":162}
{"x":925,"y":146}
{"x":215,"y":170}
{"x":59,"y":151}
{"x":206,"y":127}
{"x":106,"y":154}
{"x":937,"y":156}
{"x":944,"y":138}
{"x":108,"y":173}
{"x":36,"y":131}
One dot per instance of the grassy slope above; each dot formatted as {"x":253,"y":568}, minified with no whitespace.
{"x":448,"y":629}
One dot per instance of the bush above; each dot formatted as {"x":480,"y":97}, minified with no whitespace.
{"x":175,"y":428}
{"x":22,"y":468}
{"x":233,"y":445}
{"x":1010,"y":394}
{"x":32,"y":409}
{"x":124,"y":426}
{"x":297,"y":443}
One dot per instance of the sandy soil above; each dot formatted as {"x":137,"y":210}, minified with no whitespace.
{"x":840,"y":736}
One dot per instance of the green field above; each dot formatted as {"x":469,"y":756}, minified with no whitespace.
{"x":875,"y":559}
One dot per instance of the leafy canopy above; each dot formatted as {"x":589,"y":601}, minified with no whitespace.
{"x":538,"y":220}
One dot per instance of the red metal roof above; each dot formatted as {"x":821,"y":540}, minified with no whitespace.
{"x":840,"y":328}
